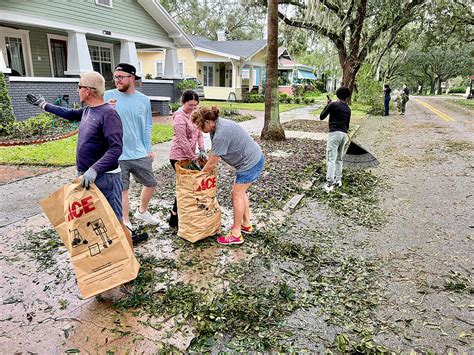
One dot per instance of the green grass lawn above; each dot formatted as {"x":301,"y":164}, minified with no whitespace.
{"x":463,"y":102}
{"x":358,"y":110}
{"x":62,"y":152}
{"x":259,"y":106}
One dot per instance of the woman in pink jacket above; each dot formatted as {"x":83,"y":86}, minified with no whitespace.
{"x":185,"y":138}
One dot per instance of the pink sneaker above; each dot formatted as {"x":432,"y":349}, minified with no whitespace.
{"x":245,"y":230}
{"x":230,"y":239}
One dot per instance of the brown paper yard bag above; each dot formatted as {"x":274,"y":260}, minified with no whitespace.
{"x":100,"y":253}
{"x":198,"y":210}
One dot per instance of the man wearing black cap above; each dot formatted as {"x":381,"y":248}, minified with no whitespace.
{"x":134,"y":109}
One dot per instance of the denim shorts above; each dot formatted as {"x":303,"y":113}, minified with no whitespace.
{"x":252,"y":174}
{"x":110,"y":184}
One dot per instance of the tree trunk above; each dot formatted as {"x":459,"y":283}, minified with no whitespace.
{"x":440,"y":90}
{"x":272,"y":129}
{"x":432,"y":86}
{"x":349,"y":73}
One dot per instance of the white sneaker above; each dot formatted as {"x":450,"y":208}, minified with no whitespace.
{"x":129,"y":226}
{"x":146,"y":216}
{"x":338,"y":184}
{"x":328,"y":188}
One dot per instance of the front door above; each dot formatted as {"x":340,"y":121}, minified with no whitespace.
{"x":58,"y":57}
{"x":222,"y":75}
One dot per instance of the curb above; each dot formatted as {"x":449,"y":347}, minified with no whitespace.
{"x":38,"y":141}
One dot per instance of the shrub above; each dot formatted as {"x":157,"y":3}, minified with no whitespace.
{"x":255,"y":98}
{"x":282,"y":97}
{"x":282,"y":81}
{"x":319,"y":85}
{"x":186,"y":84}
{"x":289,"y":99}
{"x":6,"y":113}
{"x":369,"y":91}
{"x":297,"y":100}
{"x":148,"y":76}
{"x":298,"y":90}
{"x":39,"y":125}
{"x":457,"y":90}
{"x":307,"y":100}
{"x":229,"y":112}
{"x":174,"y":106}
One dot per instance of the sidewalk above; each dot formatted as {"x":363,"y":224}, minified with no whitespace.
{"x":20,"y":199}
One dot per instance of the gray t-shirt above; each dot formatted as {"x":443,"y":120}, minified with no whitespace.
{"x":234,"y":145}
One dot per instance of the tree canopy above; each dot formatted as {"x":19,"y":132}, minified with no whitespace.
{"x":206,"y":17}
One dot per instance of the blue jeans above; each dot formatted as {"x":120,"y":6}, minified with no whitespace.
{"x":252,"y":174}
{"x":385,"y":103}
{"x":110,"y":184}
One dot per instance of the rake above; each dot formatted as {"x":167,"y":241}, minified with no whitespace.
{"x":357,"y":157}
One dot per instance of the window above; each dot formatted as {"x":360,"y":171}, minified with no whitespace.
{"x":15,"y":55}
{"x":15,"y":46}
{"x":101,"y":57}
{"x":57,"y":46}
{"x":160,"y":68}
{"x":106,"y":3}
{"x":208,"y":75}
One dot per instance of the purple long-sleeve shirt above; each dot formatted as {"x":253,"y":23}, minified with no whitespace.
{"x":99,"y":144}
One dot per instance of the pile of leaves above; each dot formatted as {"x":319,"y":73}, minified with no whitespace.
{"x":281,"y":178}
{"x":357,"y":199}
{"x":235,"y":115}
{"x":316,"y":126}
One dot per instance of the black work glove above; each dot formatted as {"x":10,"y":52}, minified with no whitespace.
{"x":36,"y":100}
{"x":88,"y":178}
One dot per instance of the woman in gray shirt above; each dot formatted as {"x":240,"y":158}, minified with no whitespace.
{"x":235,"y":146}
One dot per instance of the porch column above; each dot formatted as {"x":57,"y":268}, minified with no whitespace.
{"x":3,"y":64}
{"x":78,"y":57}
{"x":250,"y":77}
{"x":236,"y":75}
{"x":260,"y":76}
{"x":171,"y":64}
{"x":128,"y":54}
{"x":237,"y":79}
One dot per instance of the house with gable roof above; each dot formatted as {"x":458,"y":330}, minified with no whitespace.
{"x":45,"y":46}
{"x":291,"y":72}
{"x":225,"y":68}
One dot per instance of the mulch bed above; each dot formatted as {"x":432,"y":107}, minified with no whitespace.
{"x":5,"y":142}
{"x":284,"y":172}
{"x":315,"y":126}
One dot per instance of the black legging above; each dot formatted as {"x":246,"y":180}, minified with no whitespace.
{"x":175,"y":206}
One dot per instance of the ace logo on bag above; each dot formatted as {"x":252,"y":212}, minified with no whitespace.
{"x":198,"y":210}
{"x":101,"y":255}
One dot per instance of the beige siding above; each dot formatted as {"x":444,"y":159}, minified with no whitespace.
{"x":149,"y":59}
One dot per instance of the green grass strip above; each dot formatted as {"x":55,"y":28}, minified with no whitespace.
{"x":62,"y":152}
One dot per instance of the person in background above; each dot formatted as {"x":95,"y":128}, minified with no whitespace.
{"x":134,"y":109}
{"x":99,"y":143}
{"x":339,"y":119}
{"x":386,"y":101}
{"x":185,"y":138}
{"x":405,"y":95}
{"x":235,"y":146}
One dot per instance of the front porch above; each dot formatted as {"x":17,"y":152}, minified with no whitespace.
{"x":228,"y":80}
{"x":48,"y":61}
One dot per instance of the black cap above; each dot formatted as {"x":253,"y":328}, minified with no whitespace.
{"x":127,"y":68}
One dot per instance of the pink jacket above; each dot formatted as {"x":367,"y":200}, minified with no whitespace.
{"x":185,"y":137}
